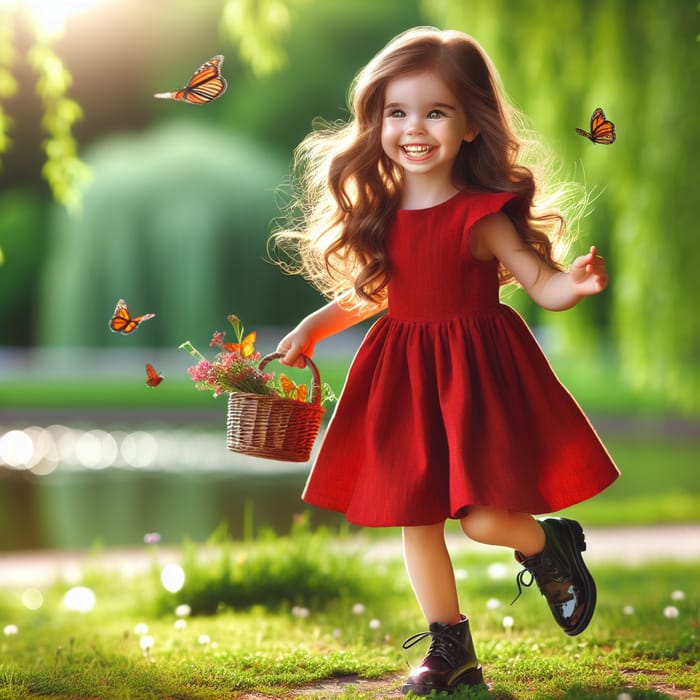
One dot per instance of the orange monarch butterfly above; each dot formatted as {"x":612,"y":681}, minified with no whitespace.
{"x":602,"y":130}
{"x":246,"y":347}
{"x":292,"y":390}
{"x":122,"y":321}
{"x":153,"y":379}
{"x":205,"y":85}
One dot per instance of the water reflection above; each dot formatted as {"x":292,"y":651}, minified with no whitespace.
{"x":42,"y":451}
{"x":67,"y":487}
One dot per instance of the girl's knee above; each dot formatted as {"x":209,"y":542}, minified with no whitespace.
{"x":484,"y":523}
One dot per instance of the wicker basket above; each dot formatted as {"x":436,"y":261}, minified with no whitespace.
{"x":272,"y":426}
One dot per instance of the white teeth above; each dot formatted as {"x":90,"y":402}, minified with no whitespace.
{"x":416,"y":150}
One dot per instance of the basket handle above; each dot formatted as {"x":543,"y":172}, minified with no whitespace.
{"x":308,"y":362}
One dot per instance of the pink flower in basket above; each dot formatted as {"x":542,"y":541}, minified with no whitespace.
{"x":235,"y":366}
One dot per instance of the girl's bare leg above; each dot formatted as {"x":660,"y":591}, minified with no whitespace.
{"x":551,"y":551}
{"x":498,"y":526}
{"x":451,"y":660}
{"x":431,"y":574}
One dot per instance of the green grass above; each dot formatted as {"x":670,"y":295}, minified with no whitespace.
{"x":279,"y":634}
{"x":88,"y":393}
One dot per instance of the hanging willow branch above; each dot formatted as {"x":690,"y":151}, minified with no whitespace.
{"x":8,"y":84}
{"x":63,"y":169}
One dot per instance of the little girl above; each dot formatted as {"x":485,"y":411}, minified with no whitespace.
{"x":421,"y":206}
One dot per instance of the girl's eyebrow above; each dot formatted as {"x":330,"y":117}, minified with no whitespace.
{"x":433,"y":105}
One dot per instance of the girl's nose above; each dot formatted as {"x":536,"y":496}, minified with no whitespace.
{"x":415,"y":126}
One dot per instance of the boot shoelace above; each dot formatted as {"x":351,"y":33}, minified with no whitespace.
{"x":442,"y":643}
{"x":539,"y":572}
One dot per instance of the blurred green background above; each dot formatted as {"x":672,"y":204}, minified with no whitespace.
{"x":180,"y":202}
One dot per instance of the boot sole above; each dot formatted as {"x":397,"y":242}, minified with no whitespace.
{"x":471,"y":677}
{"x":577,"y":542}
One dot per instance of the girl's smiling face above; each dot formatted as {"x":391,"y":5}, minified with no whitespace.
{"x":423,"y":125}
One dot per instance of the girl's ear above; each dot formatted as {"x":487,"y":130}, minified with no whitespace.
{"x":470,"y":133}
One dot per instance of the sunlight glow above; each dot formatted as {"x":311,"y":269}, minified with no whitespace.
{"x":51,"y":15}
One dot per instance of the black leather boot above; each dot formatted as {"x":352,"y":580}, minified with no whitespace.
{"x":449,"y":663}
{"x":561,"y":574}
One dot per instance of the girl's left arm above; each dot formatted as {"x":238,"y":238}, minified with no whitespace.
{"x":495,"y":236}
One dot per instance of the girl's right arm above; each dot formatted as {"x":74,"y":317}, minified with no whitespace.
{"x":322,"y":323}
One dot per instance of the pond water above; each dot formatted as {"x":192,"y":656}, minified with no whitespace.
{"x":63,"y":487}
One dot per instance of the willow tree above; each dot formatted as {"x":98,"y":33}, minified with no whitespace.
{"x":640,"y":61}
{"x":182,"y":234}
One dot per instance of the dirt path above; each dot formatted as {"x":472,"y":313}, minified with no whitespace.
{"x":335,"y":687}
{"x":389,"y":688}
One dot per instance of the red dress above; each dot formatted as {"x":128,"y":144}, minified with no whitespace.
{"x":449,"y":401}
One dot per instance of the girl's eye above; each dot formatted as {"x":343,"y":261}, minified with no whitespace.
{"x":435,"y":114}
{"x":397,"y":114}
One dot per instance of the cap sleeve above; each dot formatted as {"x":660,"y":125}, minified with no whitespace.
{"x":486,"y":203}
{"x":479,"y":206}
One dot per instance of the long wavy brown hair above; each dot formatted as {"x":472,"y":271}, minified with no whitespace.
{"x":345,"y":190}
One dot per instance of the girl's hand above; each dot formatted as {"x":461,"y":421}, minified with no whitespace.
{"x":589,"y":274}
{"x":294,"y":344}
{"x":328,"y":320}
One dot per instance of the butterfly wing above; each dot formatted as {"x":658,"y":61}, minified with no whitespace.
{"x":248,"y":344}
{"x":286,"y":385}
{"x":597,"y":118}
{"x":153,"y":379}
{"x":602,"y":130}
{"x":205,"y":85}
{"x":291,"y":390}
{"x":245,"y":348}
{"x":123,"y":322}
{"x":121,"y":318}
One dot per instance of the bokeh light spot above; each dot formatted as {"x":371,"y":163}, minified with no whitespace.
{"x":172,"y":577}
{"x":139,"y":449}
{"x":32,"y":599}
{"x":96,"y":449}
{"x":79,"y":599}
{"x":16,"y":449}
